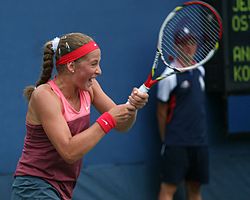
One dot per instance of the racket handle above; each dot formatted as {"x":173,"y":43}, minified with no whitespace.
{"x":143,"y":89}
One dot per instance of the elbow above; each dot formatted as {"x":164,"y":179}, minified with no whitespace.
{"x":69,"y":161}
{"x":69,"y":158}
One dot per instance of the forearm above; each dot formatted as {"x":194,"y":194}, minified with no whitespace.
{"x":162,"y":109}
{"x":161,"y":125}
{"x":126,"y":125}
{"x":82,"y":143}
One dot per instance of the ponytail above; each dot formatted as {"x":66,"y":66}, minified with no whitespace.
{"x":46,"y":70}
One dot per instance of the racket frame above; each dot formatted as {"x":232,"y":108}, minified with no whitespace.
{"x":145,"y":87}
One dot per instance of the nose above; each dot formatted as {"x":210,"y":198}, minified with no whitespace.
{"x":98,"y":70}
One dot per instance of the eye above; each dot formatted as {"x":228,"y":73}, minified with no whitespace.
{"x":94,"y":64}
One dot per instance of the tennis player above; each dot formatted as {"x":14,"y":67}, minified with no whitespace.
{"x":182,"y":124}
{"x":58,"y":126}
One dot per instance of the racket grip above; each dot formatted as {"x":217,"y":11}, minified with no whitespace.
{"x":143,"y":89}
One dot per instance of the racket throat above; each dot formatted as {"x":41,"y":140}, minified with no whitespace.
{"x":145,"y":87}
{"x":150,"y":82}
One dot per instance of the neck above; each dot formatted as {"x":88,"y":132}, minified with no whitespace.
{"x":66,"y":87}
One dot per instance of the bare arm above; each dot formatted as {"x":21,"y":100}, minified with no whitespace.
{"x":47,"y":108}
{"x":103,"y":104}
{"x":162,"y":109}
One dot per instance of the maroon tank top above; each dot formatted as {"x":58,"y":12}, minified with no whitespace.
{"x":39,"y":157}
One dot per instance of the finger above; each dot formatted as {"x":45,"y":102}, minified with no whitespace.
{"x":132,"y":109}
{"x":137,"y":101}
{"x":131,"y":102}
{"x":140,"y":97}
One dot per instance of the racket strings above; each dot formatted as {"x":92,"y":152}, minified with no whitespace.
{"x":196,"y":20}
{"x":213,"y":24}
{"x":205,"y":27}
{"x":200,"y":18}
{"x":209,"y":25}
{"x":206,"y":47}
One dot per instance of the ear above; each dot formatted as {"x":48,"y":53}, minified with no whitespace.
{"x":71,"y":67}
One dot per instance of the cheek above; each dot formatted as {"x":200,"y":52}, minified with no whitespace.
{"x":85,"y":75}
{"x":80,"y":76}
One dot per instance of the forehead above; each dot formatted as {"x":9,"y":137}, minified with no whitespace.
{"x":96,"y":54}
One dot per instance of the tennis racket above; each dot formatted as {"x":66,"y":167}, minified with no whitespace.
{"x":189,"y":36}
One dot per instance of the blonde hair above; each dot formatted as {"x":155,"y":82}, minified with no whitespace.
{"x":68,"y":42}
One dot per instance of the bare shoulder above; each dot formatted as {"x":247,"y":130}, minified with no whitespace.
{"x":44,"y":95}
{"x":43,"y":100}
{"x":42,"y":91}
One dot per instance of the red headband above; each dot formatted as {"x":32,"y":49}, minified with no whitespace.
{"x":78,"y":53}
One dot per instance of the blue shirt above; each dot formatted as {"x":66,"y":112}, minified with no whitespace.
{"x":186,"y":117}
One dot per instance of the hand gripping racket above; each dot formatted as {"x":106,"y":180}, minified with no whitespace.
{"x":190,"y":36}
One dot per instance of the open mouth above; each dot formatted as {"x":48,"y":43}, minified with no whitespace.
{"x":91,"y":79}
